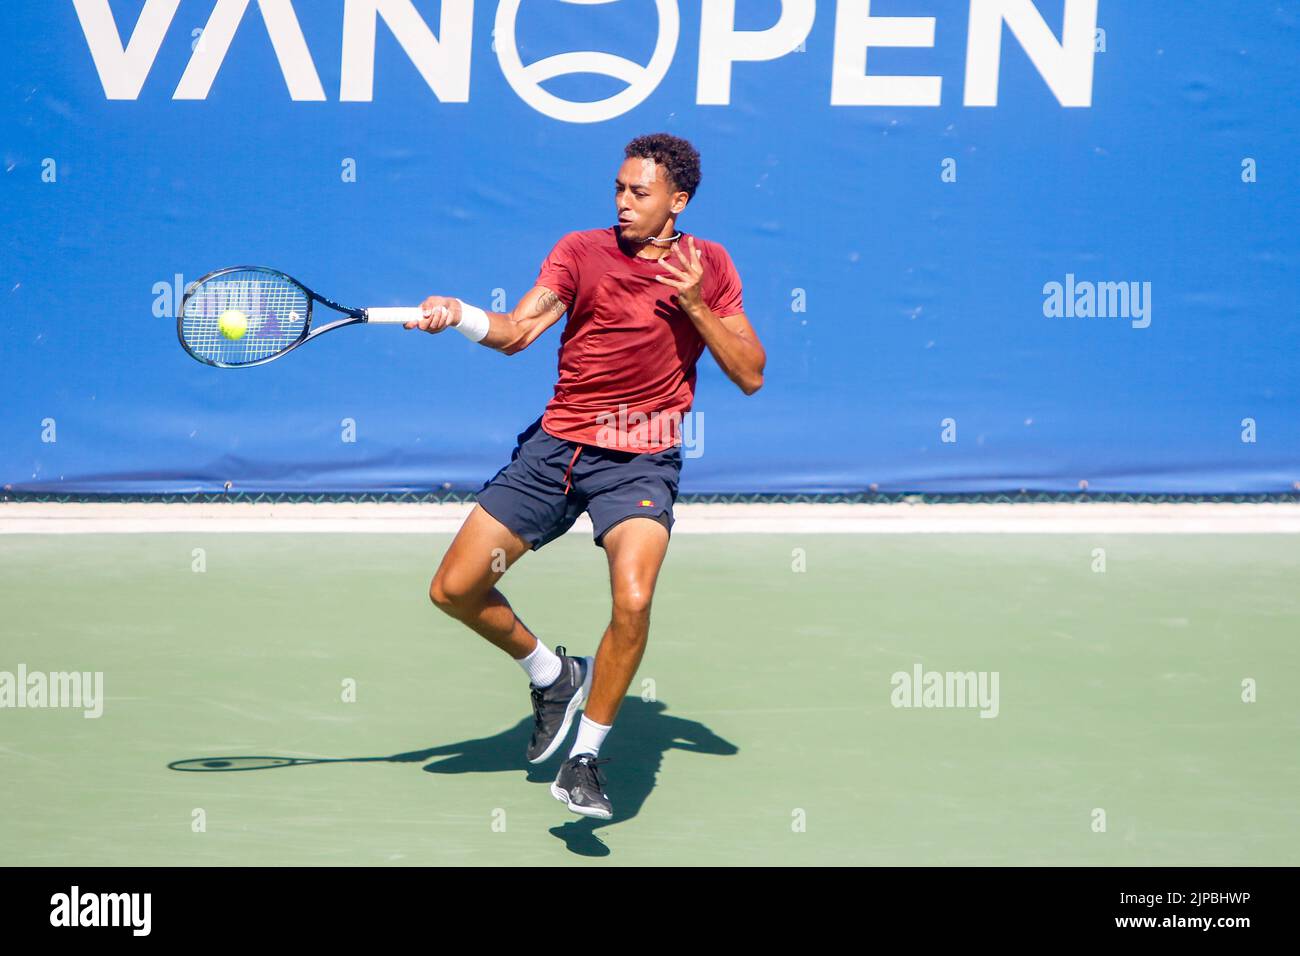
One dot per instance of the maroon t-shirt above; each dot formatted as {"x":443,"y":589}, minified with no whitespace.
{"x":627,"y":353}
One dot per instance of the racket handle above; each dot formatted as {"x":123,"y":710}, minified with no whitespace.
{"x":394,"y":316}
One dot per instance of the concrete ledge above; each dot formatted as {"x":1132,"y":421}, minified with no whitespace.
{"x":901,"y":518}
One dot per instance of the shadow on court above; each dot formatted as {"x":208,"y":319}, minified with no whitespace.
{"x":641,"y":736}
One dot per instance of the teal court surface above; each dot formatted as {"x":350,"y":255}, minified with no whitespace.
{"x":288,"y":698}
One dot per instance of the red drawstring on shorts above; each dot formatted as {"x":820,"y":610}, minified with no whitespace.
{"x":576,"y":451}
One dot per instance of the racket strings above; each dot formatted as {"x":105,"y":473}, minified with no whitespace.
{"x":272,"y":310}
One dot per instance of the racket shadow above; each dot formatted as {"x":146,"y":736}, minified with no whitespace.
{"x":644,"y":732}
{"x":499,"y":752}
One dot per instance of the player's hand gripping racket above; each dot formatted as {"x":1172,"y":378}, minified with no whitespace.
{"x":249,"y":315}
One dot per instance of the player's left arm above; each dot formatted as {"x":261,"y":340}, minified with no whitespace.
{"x":731,"y":339}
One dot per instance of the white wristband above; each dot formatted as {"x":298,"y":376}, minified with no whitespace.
{"x":473,"y":322}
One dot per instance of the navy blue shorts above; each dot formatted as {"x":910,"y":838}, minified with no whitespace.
{"x":529,"y":495}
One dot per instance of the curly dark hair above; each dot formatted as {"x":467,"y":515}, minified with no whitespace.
{"x":680,"y":158}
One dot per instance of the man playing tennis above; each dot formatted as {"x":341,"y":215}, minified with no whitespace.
{"x":643,"y":301}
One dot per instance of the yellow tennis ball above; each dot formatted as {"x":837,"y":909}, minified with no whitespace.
{"x":233,"y":324}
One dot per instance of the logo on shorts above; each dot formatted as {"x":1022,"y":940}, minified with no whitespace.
{"x":647,"y":503}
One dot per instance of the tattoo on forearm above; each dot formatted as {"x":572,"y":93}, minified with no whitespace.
{"x":549,"y":302}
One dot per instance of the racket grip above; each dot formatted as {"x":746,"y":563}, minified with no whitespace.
{"x":394,"y":316}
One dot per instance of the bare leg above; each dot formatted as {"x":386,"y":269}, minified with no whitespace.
{"x":635,"y":548}
{"x":464,"y":584}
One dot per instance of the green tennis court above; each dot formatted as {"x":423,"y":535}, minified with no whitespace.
{"x":761,"y":731}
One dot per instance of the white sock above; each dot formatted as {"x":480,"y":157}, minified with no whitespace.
{"x":542,"y":666}
{"x":590,"y":736}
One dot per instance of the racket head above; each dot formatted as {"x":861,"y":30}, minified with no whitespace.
{"x":278,"y":309}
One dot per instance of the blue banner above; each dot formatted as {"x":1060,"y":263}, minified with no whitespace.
{"x":987,"y":244}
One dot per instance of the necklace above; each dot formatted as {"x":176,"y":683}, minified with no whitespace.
{"x":657,"y":241}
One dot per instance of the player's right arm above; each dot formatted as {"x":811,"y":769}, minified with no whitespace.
{"x":508,"y":332}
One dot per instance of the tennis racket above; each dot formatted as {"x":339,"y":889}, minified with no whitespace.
{"x":250,"y":315}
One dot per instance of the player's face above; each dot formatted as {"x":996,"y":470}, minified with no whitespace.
{"x":643,"y":198}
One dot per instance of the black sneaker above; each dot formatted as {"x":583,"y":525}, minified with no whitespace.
{"x":579,"y":785}
{"x":554,"y":706}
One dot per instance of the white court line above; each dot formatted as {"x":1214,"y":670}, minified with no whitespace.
{"x":758,"y":518}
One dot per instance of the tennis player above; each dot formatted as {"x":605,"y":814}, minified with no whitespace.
{"x":643,"y":302}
